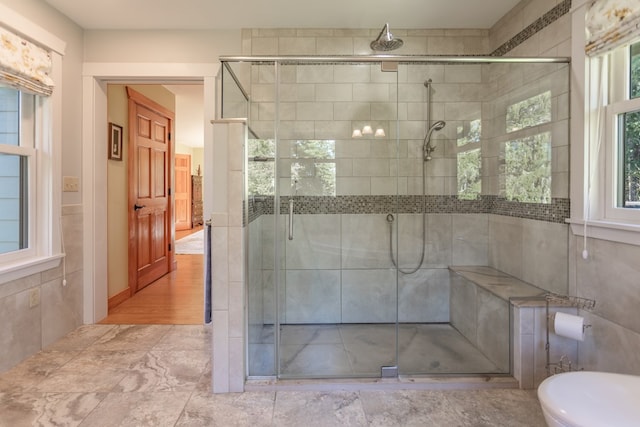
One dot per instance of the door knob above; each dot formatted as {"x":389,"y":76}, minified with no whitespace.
{"x":138,"y":207}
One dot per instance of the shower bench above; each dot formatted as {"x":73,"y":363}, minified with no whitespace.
{"x":493,"y":310}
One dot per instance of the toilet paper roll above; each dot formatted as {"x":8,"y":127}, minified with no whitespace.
{"x":568,"y":325}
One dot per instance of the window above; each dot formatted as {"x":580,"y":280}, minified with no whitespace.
{"x":622,"y":189}
{"x":528,"y":169}
{"x":469,"y":160}
{"x":311,"y":165}
{"x":17,"y":169}
{"x":30,"y":151}
{"x":261,"y":173}
{"x":526,"y":156}
{"x":530,"y":112}
{"x":313,"y":168}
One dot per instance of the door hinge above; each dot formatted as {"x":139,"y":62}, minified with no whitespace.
{"x":169,"y":136}
{"x":169,"y":247}
{"x":169,"y":190}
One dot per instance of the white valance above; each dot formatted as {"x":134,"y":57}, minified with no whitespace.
{"x":610,"y":24}
{"x":24,"y":65}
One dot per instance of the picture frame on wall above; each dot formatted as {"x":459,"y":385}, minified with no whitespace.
{"x":115,"y":142}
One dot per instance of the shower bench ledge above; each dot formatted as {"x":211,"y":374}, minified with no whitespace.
{"x":500,"y":284}
{"x":522,"y":303}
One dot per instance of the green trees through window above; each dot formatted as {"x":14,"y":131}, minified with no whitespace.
{"x":528,"y":169}
{"x":469,"y":162}
{"x":629,"y":141}
{"x":526,"y":158}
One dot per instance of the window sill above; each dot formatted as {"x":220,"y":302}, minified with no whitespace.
{"x":606,"y":230}
{"x":19,"y":269}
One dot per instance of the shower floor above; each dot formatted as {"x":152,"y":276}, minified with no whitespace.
{"x":358,"y":350}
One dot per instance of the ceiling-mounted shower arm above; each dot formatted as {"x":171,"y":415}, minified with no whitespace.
{"x":385,"y":40}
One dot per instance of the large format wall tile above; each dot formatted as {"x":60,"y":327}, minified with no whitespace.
{"x":424,"y":296}
{"x":411,"y":237}
{"x":20,"y":335}
{"x":493,"y":328}
{"x":61,"y":307}
{"x":313,"y":296}
{"x":505,"y":253}
{"x":463,"y":308}
{"x":365,"y":241}
{"x":315,"y":244}
{"x":610,"y":277}
{"x":545,"y":252}
{"x":470,"y":239}
{"x":609,"y":347}
{"x":369,"y":296}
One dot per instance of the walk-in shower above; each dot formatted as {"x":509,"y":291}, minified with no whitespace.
{"x":367,"y":284}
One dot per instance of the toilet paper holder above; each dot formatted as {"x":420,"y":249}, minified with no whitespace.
{"x":564,"y":364}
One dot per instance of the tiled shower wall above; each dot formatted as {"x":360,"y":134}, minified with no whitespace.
{"x":319,"y":260}
{"x":345,"y":252}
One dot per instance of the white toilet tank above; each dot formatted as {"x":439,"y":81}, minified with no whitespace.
{"x":590,"y":399}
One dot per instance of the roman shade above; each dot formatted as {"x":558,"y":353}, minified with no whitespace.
{"x":610,"y":24}
{"x":24,"y":65}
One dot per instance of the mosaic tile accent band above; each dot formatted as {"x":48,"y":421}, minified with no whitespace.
{"x":548,"y":18}
{"x":556,"y":211}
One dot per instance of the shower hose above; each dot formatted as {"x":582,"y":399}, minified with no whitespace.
{"x":391,"y":219}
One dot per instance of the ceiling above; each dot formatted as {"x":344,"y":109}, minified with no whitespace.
{"x":189,"y":122}
{"x":218,"y":14}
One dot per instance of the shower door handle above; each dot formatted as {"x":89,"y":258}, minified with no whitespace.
{"x":290,"y":219}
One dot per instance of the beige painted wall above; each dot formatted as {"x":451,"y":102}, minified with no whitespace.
{"x":197,"y":159}
{"x":160,"y":46}
{"x":117,"y":187}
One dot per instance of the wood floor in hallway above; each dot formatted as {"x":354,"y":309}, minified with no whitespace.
{"x":175,"y":299}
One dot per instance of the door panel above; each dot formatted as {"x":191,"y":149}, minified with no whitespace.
{"x":150,"y":205}
{"x":159,"y":188}
{"x":337,"y":311}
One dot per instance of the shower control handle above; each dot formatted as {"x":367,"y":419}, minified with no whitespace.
{"x":290,"y":219}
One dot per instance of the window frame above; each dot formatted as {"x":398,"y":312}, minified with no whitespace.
{"x":47,"y":190}
{"x":618,"y":102}
{"x":522,"y":134}
{"x":27,"y":147}
{"x":41,"y":253}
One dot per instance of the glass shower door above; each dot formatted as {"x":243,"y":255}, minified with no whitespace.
{"x":337,"y":163}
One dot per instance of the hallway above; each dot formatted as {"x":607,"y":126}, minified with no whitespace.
{"x":175,"y":299}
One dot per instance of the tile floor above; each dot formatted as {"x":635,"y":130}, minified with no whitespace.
{"x":159,"y":375}
{"x":362,"y":349}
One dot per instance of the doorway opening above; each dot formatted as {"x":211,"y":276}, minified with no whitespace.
{"x":176,"y":297}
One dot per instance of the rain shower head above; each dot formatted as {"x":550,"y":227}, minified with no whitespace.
{"x":385,"y":40}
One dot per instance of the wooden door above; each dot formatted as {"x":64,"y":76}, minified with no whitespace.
{"x":150,"y":216}
{"x":182,"y":195}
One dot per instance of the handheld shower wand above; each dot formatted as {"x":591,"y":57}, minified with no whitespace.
{"x":427,"y":147}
